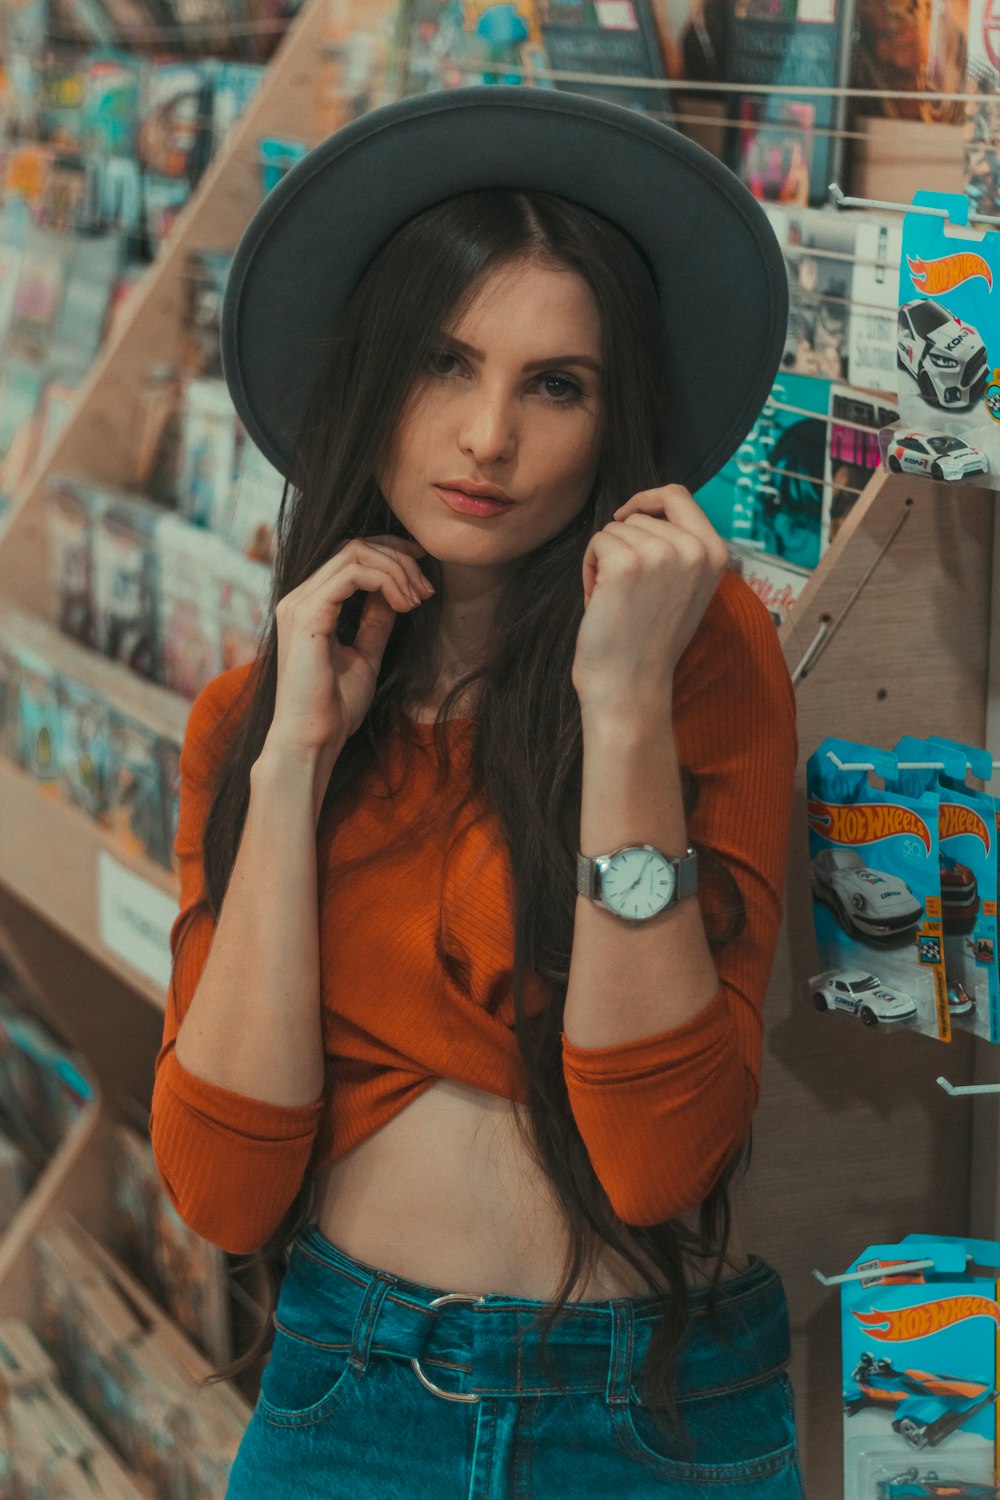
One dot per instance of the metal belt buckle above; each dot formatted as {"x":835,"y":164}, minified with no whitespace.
{"x":448,"y":1395}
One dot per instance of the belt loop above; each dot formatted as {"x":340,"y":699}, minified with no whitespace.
{"x":622,"y":1348}
{"x":364,"y":1325}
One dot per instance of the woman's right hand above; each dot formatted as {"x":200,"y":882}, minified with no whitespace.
{"x":325,"y":688}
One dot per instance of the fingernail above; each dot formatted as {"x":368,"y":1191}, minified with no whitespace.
{"x":426,"y":585}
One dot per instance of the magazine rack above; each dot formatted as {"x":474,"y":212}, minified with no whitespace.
{"x":854,"y":1141}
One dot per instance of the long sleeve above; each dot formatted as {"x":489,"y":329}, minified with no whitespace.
{"x":230,"y":1164}
{"x":662,"y":1115}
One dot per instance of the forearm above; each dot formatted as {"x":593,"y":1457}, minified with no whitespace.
{"x":254,"y":1022}
{"x":630,"y":981}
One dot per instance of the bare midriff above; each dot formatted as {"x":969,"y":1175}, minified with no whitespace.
{"x":448,"y":1194}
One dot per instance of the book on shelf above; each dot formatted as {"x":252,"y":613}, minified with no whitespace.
{"x":787,"y":146}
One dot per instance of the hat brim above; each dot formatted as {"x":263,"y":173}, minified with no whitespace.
{"x":719,"y":269}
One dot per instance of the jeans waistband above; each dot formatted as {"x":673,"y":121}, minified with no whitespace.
{"x":492,"y":1346}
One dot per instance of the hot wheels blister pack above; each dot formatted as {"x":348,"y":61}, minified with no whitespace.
{"x":876,"y":893}
{"x":920,"y":1370}
{"x":967,"y":850}
{"x":948,"y":347}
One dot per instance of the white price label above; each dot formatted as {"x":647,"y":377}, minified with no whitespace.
{"x":135,"y":918}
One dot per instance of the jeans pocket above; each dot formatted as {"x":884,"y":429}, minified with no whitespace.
{"x":304,"y":1381}
{"x":728,"y":1436}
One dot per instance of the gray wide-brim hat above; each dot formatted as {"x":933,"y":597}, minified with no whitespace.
{"x":718,"y":268}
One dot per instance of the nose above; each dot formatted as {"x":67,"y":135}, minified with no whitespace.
{"x":487,"y":429}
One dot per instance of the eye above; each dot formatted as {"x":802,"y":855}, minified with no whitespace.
{"x":569,"y":391}
{"x":434,"y":363}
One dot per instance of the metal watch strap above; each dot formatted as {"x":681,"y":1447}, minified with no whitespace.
{"x":686,"y":867}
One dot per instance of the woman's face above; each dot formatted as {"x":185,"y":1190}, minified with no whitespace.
{"x":511,"y":398}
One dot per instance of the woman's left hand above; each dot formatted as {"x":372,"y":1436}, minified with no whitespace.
{"x":648,"y":576}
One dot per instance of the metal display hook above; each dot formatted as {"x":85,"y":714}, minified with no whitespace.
{"x":901,"y":765}
{"x":873,"y":1272}
{"x":960,"y":1090}
{"x":841,"y":200}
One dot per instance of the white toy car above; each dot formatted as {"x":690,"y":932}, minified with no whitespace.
{"x":863,"y":995}
{"x":868,"y":904}
{"x":947,"y":358}
{"x":940,"y":455}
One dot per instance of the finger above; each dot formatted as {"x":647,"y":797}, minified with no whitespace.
{"x":610,"y":544}
{"x":374,"y":630}
{"x":369,"y":566}
{"x":695,"y":546}
{"x":674,"y":503}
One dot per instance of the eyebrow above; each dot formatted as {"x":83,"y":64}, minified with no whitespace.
{"x":535,"y":364}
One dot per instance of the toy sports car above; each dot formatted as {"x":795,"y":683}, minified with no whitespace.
{"x":928,"y":1408}
{"x":862,"y":995}
{"x":868,"y":904}
{"x":947,"y":358}
{"x":912,"y":1485}
{"x":960,"y":1002}
{"x":938,"y":454}
{"x":959,"y":896}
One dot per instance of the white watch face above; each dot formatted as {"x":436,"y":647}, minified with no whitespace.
{"x":637,"y":883}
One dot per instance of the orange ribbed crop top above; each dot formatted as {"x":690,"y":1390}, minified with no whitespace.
{"x":416,"y":947}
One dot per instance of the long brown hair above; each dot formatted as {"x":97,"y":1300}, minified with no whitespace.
{"x":527,"y":742}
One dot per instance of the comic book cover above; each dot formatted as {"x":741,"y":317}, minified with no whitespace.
{"x":85,"y":767}
{"x":611,"y":38}
{"x":184,"y":1272}
{"x":872,"y":332}
{"x":250,"y":523}
{"x":852,"y":452}
{"x":39,"y":747}
{"x":188,"y":612}
{"x":909,"y":46}
{"x":135,"y":800}
{"x":61,"y":95}
{"x":126,"y":583}
{"x":243,"y":594}
{"x":43,"y":1087}
{"x":73,"y":509}
{"x":770,"y":492}
{"x":174,"y":114}
{"x":90,"y":275}
{"x":775,"y":582}
{"x":786,"y":149}
{"x":16,"y":1177}
{"x":819,"y":250}
{"x":208,"y":452}
{"x":111,"y":103}
{"x":233,"y":87}
{"x":982,"y":115}
{"x":449,"y":42}
{"x":204,"y":291}
{"x":38,"y":298}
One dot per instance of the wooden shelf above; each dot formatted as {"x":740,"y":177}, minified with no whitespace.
{"x":49,"y":859}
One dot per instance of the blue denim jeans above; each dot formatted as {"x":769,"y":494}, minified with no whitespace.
{"x":343,"y":1411}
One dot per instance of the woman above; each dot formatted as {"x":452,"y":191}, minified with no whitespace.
{"x":503,"y":1087}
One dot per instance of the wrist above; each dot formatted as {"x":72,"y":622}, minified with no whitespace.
{"x":288,"y":769}
{"x":642,"y":723}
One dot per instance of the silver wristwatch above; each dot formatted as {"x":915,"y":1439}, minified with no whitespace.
{"x":637,"y":881}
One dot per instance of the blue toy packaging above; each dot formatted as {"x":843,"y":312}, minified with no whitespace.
{"x":876,"y":893}
{"x":967,"y":836}
{"x":948,"y":347}
{"x":920,"y":1369}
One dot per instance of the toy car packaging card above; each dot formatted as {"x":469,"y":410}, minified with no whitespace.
{"x":920,"y":1370}
{"x":876,"y":894}
{"x":948,"y":347}
{"x":967,"y":831}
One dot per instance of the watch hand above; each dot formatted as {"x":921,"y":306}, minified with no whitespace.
{"x":638,"y":877}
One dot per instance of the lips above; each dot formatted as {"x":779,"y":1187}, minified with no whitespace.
{"x":471,"y":504}
{"x":475,"y":490}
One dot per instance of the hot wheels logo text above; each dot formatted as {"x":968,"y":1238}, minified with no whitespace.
{"x":936,"y":276}
{"x":863,"y":823}
{"x":904,"y":1323}
{"x":953,"y":818}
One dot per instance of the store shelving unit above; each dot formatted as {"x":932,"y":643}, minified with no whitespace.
{"x":854,"y":1142}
